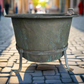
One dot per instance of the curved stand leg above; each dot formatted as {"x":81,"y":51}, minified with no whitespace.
{"x":20,"y":63}
{"x":60,"y":60}
{"x":66,"y":61}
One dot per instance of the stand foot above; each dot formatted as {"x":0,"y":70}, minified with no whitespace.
{"x":20,"y":63}
{"x":17,"y":71}
{"x":66,"y":61}
{"x":70,"y":69}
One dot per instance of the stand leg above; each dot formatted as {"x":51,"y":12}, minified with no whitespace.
{"x":60,"y":60}
{"x":20,"y":63}
{"x":66,"y":61}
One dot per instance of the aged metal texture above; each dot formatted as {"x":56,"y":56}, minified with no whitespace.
{"x":41,"y":52}
{"x":42,"y":33}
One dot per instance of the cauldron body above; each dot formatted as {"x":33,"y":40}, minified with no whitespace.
{"x":42,"y":33}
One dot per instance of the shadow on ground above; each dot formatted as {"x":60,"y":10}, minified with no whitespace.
{"x":6,"y":33}
{"x":78,"y":23}
{"x":48,"y":74}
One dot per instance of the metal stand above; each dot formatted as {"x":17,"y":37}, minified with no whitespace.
{"x":21,"y":51}
{"x":66,"y":61}
{"x":20,"y":62}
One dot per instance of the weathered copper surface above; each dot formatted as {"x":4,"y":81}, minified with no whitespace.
{"x":41,"y":33}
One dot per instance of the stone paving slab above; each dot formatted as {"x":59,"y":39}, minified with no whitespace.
{"x":6,"y":70}
{"x":3,"y":64}
{"x":42,"y":73}
{"x":26,"y":70}
{"x":38,"y":78}
{"x":61,"y":69}
{"x":0,"y":69}
{"x":10,"y":64}
{"x":53,"y":81}
{"x":49,"y":72}
{"x":20,"y":78}
{"x":65,"y":76}
{"x":38,"y":81}
{"x":67,"y":80}
{"x":36,"y":73}
{"x":77,"y":70}
{"x":4,"y":75}
{"x":3,"y":60}
{"x":76,"y":78}
{"x":3,"y":80}
{"x":76,"y":52}
{"x":52,"y":77}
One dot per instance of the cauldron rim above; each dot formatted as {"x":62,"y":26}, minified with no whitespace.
{"x":40,"y":16}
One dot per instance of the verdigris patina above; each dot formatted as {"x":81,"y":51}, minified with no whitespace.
{"x":42,"y":37}
{"x":41,"y":33}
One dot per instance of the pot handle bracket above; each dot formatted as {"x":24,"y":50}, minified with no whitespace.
{"x":70,"y":11}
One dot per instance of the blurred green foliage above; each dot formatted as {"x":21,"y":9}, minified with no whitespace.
{"x":43,"y":3}
{"x":37,"y":2}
